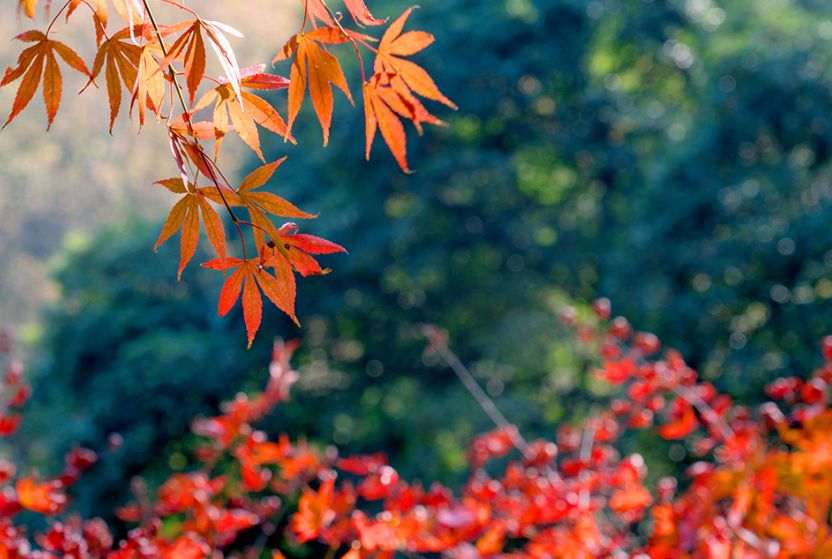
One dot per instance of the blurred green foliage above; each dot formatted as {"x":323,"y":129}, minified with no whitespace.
{"x":125,"y":347}
{"x":670,"y":155}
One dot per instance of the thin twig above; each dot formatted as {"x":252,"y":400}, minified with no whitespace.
{"x":481,"y":397}
{"x":708,"y":413}
{"x":347,"y":35}
{"x":187,"y":117}
{"x":57,"y":15}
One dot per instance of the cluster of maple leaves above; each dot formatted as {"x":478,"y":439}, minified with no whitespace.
{"x":761,"y":485}
{"x":147,"y":60}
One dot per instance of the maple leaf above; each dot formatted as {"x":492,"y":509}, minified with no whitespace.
{"x":286,"y":251}
{"x":385,"y":97}
{"x":190,"y":47}
{"x":294,"y":250}
{"x":27,"y":7}
{"x":247,"y":277}
{"x":44,"y":498}
{"x":185,"y":215}
{"x":685,"y":421}
{"x":394,"y":45}
{"x":247,"y":110}
{"x":36,"y":60}
{"x":315,"y":66}
{"x":314,"y":512}
{"x":258,"y":204}
{"x":119,"y":58}
{"x":389,"y":93}
{"x":356,"y":8}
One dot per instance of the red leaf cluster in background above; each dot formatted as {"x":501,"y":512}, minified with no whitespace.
{"x":762,"y":485}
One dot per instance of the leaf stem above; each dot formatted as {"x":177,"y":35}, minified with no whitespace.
{"x":187,"y":117}
{"x":57,"y":15}
{"x":181,"y":7}
{"x":484,"y":400}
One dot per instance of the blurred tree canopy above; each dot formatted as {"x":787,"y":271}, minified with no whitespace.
{"x":670,"y":155}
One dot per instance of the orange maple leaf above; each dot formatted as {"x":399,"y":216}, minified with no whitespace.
{"x":245,"y":111}
{"x":246,"y":278}
{"x":190,"y":48}
{"x":394,"y":45}
{"x":389,"y":93}
{"x":185,"y":215}
{"x":314,"y":66}
{"x":314,"y":512}
{"x":37,"y":60}
{"x":117,"y":55}
{"x":317,"y":9}
{"x":44,"y":498}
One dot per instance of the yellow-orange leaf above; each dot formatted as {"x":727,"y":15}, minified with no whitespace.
{"x":316,"y":68}
{"x":44,"y":498}
{"x":189,"y":47}
{"x":245,"y":113}
{"x":118,"y":56}
{"x":36,"y":60}
{"x":185,"y":216}
{"x":28,"y":7}
{"x":149,"y":91}
{"x":394,"y":45}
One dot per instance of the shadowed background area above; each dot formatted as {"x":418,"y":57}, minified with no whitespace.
{"x":670,"y":155}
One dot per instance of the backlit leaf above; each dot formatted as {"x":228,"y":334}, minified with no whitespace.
{"x":31,"y":63}
{"x":316,"y":68}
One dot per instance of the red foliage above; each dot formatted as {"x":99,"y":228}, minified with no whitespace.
{"x":762,"y":487}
